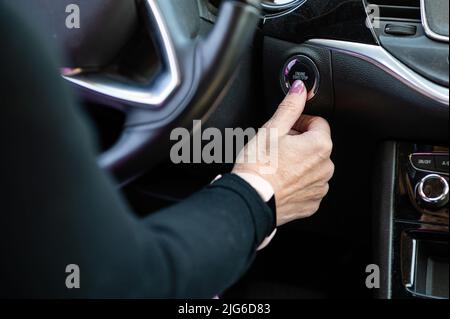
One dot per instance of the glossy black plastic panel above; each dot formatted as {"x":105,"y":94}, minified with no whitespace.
{"x":406,"y":206}
{"x":334,"y":19}
{"x":408,"y":239}
{"x":409,"y":276}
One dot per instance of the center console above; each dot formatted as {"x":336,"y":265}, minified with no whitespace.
{"x":412,"y":220}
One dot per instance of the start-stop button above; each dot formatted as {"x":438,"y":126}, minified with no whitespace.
{"x":301,"y":67}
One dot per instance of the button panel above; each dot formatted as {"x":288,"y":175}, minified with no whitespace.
{"x":442,"y":163}
{"x":433,"y":162}
{"x":423,"y":161}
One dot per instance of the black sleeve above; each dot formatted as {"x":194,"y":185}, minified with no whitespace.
{"x":58,"y":208}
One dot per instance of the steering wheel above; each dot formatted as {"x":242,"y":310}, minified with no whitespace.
{"x":194,"y":74}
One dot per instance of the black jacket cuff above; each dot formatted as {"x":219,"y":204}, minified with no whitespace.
{"x":263,"y":214}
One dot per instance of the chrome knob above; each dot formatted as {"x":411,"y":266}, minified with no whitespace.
{"x":433,"y":191}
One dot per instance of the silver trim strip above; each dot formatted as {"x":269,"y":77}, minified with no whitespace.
{"x":430,"y":33}
{"x":379,"y":57}
{"x":270,"y":6}
{"x":147,"y":95}
{"x":412,"y":274}
{"x":369,"y":23}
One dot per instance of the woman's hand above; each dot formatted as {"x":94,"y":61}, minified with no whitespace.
{"x":304,"y":167}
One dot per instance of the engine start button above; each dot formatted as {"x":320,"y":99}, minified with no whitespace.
{"x":301,"y":67}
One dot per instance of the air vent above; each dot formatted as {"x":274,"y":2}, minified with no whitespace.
{"x":398,"y":10}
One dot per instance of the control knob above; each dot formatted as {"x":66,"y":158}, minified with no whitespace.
{"x":432,"y":192}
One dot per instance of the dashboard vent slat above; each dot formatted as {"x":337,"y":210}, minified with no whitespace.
{"x":398,"y":10}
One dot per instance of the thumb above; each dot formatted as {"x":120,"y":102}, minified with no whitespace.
{"x":290,"y":109}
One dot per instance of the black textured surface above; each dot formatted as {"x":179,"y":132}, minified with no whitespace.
{"x":105,"y":27}
{"x":383,"y":214}
{"x":425,"y":56}
{"x":389,"y":109}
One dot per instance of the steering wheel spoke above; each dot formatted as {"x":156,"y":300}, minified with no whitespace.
{"x":151,"y":93}
{"x":193,"y":75}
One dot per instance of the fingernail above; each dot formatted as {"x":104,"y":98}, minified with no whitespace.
{"x":297,"y":87}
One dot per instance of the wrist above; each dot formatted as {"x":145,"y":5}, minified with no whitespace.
{"x":263,"y":213}
{"x":267,"y":193}
{"x":261,"y":185}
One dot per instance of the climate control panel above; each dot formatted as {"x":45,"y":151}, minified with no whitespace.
{"x":430,"y":162}
{"x":430,"y":175}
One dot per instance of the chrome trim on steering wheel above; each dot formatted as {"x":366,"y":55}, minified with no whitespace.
{"x":379,"y":57}
{"x":149,"y":95}
{"x":270,"y":6}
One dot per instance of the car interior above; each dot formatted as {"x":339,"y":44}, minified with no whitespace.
{"x":377,"y":70}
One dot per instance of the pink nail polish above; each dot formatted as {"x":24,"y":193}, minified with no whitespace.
{"x":297,"y":87}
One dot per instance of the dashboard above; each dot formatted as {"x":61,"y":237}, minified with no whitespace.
{"x":377,"y":70}
{"x":359,"y":47}
{"x":335,"y":19}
